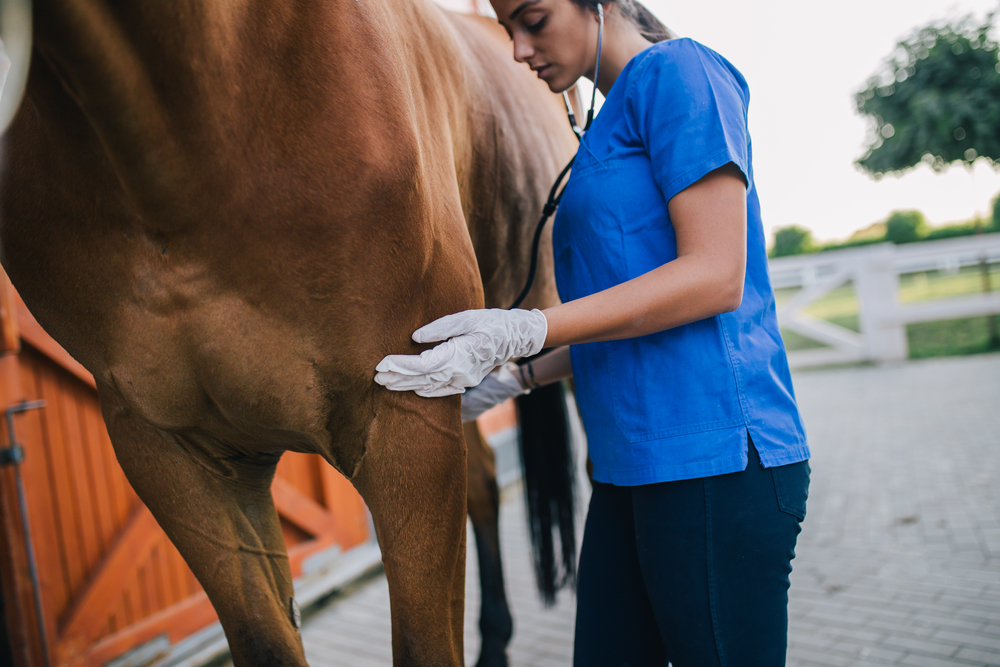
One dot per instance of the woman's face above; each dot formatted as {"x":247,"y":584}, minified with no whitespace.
{"x":556,"y":38}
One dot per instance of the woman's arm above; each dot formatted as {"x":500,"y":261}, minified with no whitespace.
{"x":546,"y":369}
{"x":706,"y":279}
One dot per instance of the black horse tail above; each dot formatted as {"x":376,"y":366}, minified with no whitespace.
{"x":549,"y":476}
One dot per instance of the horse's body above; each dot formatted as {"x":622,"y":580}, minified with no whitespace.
{"x":229,"y":212}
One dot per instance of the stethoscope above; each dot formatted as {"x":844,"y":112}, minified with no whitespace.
{"x":555,"y":194}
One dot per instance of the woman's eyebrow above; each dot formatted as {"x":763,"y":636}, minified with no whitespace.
{"x":520,"y":7}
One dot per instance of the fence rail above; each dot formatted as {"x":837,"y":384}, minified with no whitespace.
{"x":874,"y":271}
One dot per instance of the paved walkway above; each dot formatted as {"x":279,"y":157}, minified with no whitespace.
{"x":898,"y":562}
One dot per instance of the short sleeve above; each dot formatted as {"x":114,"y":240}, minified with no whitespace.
{"x":689,"y":108}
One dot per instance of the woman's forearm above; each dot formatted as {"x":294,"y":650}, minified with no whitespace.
{"x":706,"y":279}
{"x":546,"y":369}
{"x":677,"y":293}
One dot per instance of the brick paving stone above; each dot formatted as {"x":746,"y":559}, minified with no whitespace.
{"x":980,"y":656}
{"x":898,"y":562}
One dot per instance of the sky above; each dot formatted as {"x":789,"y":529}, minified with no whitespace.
{"x":804,"y":61}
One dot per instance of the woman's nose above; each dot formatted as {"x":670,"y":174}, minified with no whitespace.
{"x":522,"y":48}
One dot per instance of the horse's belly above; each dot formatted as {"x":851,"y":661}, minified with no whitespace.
{"x":223,"y":368}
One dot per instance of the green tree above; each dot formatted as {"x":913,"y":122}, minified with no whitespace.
{"x":905,"y":227}
{"x":935,"y":100}
{"x":995,"y":226}
{"x":792,"y":240}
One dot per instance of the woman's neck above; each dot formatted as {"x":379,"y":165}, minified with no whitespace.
{"x":622,"y":42}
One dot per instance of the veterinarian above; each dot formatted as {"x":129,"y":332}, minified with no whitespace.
{"x":699,"y":454}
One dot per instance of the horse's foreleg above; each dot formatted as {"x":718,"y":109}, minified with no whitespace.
{"x":495,"y":623}
{"x":413,"y":477}
{"x":219,"y":513}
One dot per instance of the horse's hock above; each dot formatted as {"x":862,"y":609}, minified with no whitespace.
{"x":109,"y":580}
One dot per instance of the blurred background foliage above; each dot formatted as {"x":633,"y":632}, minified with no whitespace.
{"x":936,"y":100}
{"x":899,"y":227}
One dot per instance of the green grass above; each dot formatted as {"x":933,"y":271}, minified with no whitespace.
{"x":926,"y":339}
{"x":938,"y":285}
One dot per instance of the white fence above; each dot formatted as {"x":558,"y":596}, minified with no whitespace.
{"x":874,"y":271}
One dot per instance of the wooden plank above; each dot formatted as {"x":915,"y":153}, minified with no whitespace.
{"x":62,"y":483}
{"x":19,"y":608}
{"x":161,"y":576}
{"x":95,"y":438}
{"x":299,"y":470}
{"x":142,"y":583}
{"x":42,"y":512}
{"x":175,"y":568}
{"x":115,"y":620}
{"x":178,"y":621}
{"x":129,"y":595}
{"x":82,"y":482}
{"x":15,"y":578}
{"x":188,"y":583}
{"x":299,"y":510}
{"x":123,"y":498}
{"x":345,"y":503}
{"x":99,"y":596}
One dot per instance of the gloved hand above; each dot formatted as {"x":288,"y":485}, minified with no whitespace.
{"x":501,"y":384}
{"x":476,"y":342}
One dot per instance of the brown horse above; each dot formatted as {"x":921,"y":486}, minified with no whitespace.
{"x":229,"y":212}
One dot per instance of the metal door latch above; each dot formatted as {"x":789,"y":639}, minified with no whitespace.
{"x":13,"y":454}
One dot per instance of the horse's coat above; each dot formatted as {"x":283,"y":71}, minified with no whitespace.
{"x":229,"y":212}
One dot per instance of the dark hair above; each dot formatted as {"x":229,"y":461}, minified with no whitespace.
{"x":648,"y":25}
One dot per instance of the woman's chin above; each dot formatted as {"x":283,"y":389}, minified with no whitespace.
{"x":558,"y":86}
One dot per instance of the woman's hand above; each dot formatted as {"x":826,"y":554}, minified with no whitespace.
{"x":499,"y":386}
{"x":476,"y":342}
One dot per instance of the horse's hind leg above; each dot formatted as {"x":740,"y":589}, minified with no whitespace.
{"x":495,"y":623}
{"x":220,"y":515}
{"x":413,"y":477}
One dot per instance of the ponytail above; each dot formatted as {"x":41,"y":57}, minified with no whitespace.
{"x":645,"y":22}
{"x":650,"y":27}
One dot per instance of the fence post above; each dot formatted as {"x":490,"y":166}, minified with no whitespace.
{"x":877,"y":287}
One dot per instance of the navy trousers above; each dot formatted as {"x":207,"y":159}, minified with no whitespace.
{"x":694,"y":573}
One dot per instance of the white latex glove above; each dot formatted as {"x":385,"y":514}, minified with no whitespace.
{"x":498,"y":386}
{"x":476,"y":342}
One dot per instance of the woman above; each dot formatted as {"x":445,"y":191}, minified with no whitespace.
{"x":699,"y":455}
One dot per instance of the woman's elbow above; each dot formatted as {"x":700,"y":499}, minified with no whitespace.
{"x":732,"y":297}
{"x":729,"y":292}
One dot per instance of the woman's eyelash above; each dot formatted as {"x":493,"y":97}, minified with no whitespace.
{"x":535,"y":27}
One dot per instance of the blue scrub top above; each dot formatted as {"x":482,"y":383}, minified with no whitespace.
{"x":676,"y":404}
